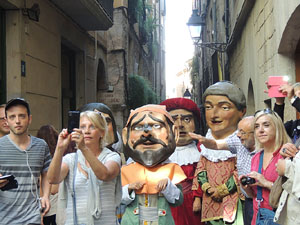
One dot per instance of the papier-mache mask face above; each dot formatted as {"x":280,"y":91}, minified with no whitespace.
{"x":150,"y":135}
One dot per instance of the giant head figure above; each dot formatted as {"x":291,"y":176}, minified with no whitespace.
{"x":186,"y":116}
{"x":112,"y":136}
{"x":225,"y":105}
{"x":149,"y":136}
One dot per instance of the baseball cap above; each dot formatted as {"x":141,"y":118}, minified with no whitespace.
{"x":17,"y":101}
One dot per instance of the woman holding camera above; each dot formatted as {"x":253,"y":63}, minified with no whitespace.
{"x":270,"y":135}
{"x":90,"y":190}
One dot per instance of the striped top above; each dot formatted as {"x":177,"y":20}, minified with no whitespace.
{"x":20,"y":206}
{"x":107,"y":194}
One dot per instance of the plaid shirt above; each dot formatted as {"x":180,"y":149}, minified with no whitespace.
{"x":242,"y":154}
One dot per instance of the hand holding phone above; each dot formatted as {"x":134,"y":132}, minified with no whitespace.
{"x":73,"y":120}
{"x":274,"y":84}
{"x":12,"y":182}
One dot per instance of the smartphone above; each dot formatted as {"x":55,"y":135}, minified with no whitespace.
{"x":13,"y":183}
{"x":7,"y":177}
{"x":275,"y":82}
{"x":73,"y":120}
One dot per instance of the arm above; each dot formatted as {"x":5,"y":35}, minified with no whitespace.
{"x":54,"y":189}
{"x":224,"y":189}
{"x":127,"y":195}
{"x":105,"y":172}
{"x":58,"y":170}
{"x":128,"y":191}
{"x":173,"y":194}
{"x":296,"y":104}
{"x":261,"y":180}
{"x":279,"y":108}
{"x":288,"y":150}
{"x":45,"y":189}
{"x":3,"y":182}
{"x":247,"y":188}
{"x":210,"y":143}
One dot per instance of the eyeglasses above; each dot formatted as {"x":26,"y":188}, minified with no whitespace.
{"x":243,"y":133}
{"x":266,"y":111}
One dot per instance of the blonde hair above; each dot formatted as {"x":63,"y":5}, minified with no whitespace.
{"x":281,"y":136}
{"x":296,"y":85}
{"x":98,"y":120}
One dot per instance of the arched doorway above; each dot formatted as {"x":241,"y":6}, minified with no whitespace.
{"x":101,"y":77}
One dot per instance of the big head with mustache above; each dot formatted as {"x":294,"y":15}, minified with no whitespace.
{"x":149,"y":136}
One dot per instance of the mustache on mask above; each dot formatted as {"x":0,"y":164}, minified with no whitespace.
{"x":150,"y":138}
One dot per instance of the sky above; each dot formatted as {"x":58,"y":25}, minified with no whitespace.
{"x":179,"y":45}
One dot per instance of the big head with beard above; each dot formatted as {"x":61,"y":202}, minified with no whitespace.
{"x":150,"y":135}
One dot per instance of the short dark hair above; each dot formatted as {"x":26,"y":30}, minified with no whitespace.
{"x":17,"y":101}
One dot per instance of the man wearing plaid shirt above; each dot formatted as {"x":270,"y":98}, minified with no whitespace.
{"x":243,"y":145}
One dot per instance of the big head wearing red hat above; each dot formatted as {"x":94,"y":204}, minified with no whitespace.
{"x":186,"y":115}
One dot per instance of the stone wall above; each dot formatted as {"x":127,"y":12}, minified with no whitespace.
{"x":255,"y":56}
{"x":38,"y":44}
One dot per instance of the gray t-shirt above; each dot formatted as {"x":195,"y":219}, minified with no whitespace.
{"x":20,"y":206}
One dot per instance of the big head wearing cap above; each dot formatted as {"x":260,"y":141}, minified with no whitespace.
{"x":112,"y":136}
{"x":186,"y":115}
{"x":225,"y":105}
{"x":149,"y":136}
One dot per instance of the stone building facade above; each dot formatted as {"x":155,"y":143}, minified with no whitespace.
{"x":261,"y":39}
{"x":77,"y":52}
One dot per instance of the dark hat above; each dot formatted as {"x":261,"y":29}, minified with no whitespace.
{"x":17,"y":101}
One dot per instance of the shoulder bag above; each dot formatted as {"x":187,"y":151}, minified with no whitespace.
{"x":264,"y":216}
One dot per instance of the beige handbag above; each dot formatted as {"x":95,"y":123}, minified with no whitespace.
{"x":276,"y":191}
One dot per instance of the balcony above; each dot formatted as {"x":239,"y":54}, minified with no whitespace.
{"x":88,"y":14}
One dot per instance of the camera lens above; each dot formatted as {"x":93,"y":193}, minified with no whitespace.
{"x":244,"y":181}
{"x":247,"y":180}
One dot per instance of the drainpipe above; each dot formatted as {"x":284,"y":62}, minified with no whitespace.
{"x":214,"y":11}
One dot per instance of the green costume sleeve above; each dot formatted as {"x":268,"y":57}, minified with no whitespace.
{"x":203,"y":181}
{"x":231,"y":186}
{"x":202,"y":178}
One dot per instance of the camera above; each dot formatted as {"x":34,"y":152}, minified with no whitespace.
{"x":73,"y":120}
{"x":247,"y":180}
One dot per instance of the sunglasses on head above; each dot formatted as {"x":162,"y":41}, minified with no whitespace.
{"x":265,"y":111}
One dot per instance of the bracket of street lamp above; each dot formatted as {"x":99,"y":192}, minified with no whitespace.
{"x":217,"y":46}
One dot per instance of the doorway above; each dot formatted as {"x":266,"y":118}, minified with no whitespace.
{"x":68,"y":82}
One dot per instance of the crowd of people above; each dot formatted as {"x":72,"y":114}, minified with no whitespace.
{"x":161,"y":172}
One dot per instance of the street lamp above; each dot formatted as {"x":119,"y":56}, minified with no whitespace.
{"x":195,"y":24}
{"x":187,"y":94}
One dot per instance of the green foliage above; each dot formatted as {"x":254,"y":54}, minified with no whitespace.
{"x":142,"y":13}
{"x":140,"y":92}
